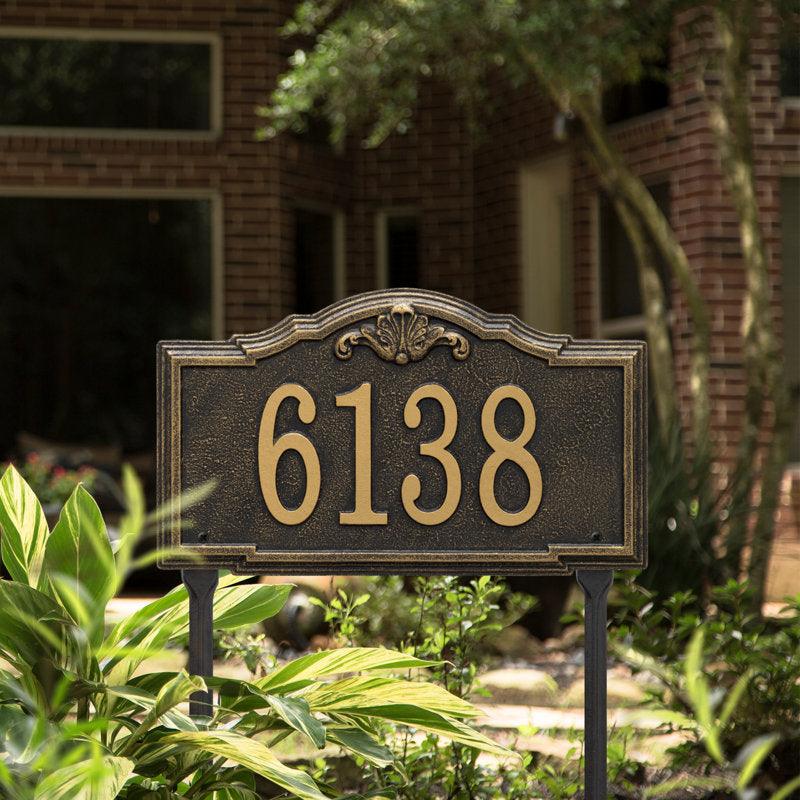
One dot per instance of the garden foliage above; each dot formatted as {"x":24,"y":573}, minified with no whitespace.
{"x":81,"y":717}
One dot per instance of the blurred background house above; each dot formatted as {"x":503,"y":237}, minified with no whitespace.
{"x":136,"y":204}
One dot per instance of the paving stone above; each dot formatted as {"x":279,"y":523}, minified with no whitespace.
{"x":623,"y":692}
{"x":521,"y":686}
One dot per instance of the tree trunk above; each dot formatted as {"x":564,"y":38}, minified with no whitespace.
{"x":618,"y":179}
{"x":654,"y":306}
{"x":730,"y":119}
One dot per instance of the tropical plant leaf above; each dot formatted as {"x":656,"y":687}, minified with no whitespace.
{"x":348,"y":659}
{"x":140,"y":620}
{"x":360,"y":743}
{"x":226,"y":791}
{"x":32,"y":625}
{"x":422,"y":718}
{"x":139,"y":698}
{"x":252,"y":754}
{"x":700,"y":697}
{"x":786,"y":790}
{"x":98,"y":778}
{"x":241,"y":606}
{"x":294,"y":711}
{"x":392,"y":690}
{"x":175,"y":691}
{"x":24,"y":529}
{"x":150,"y":628}
{"x":751,"y":757}
{"x":131,"y":522}
{"x":79,"y":553}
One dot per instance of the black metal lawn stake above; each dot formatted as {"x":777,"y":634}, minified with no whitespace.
{"x":426,"y":437}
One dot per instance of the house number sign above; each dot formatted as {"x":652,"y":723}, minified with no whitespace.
{"x":404,"y":432}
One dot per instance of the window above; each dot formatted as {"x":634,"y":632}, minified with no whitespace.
{"x":398,"y":244}
{"x":88,"y":286}
{"x":620,"y":299}
{"x":790,"y":264}
{"x":627,"y":100}
{"x":90,"y":82}
{"x":790,"y":62}
{"x":318,"y":259}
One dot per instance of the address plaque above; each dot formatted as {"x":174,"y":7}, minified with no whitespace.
{"x":403,"y":432}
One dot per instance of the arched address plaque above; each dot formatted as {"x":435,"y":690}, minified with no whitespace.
{"x":407,"y":432}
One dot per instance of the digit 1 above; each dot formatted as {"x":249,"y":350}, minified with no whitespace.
{"x":363,"y":514}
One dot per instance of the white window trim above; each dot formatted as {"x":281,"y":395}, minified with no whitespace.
{"x":214,"y":40}
{"x":143,"y":193}
{"x":382,"y":217}
{"x":559,"y":161}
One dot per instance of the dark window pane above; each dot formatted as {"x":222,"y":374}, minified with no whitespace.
{"x":314,"y":260}
{"x":627,"y":100}
{"x":402,"y":251}
{"x":87,"y":288}
{"x":632,"y":100}
{"x":790,"y":263}
{"x":78,"y":83}
{"x":619,"y":282}
{"x":790,"y":62}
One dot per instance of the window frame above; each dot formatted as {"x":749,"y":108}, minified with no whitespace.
{"x":632,"y":326}
{"x":210,"y":38}
{"x":216,"y":256}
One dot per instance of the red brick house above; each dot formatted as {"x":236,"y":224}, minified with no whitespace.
{"x":136,"y":204}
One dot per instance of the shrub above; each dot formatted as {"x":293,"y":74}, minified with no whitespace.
{"x":741,"y":679}
{"x":79,"y":718}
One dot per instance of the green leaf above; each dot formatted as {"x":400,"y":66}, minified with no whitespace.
{"x":144,"y":616}
{"x":733,"y":698}
{"x":786,"y":790}
{"x":700,"y":697}
{"x":347,"y":659}
{"x":393,"y":690}
{"x":98,"y":778}
{"x":360,"y":743}
{"x":32,"y":625}
{"x":751,"y":757}
{"x":294,"y":711}
{"x":426,"y":720}
{"x":167,"y":618}
{"x":241,"y":606}
{"x":132,"y":521}
{"x":177,"y":690}
{"x":24,"y":529}
{"x":252,"y":754}
{"x":140,"y":698}
{"x":235,"y":792}
{"x":79,"y":553}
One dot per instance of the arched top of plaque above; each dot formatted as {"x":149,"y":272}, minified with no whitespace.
{"x":403,"y":325}
{"x":424,"y":436}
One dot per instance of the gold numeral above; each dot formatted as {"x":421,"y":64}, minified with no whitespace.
{"x":509,"y":450}
{"x":270,"y":450}
{"x":411,"y":487}
{"x":363,"y":514}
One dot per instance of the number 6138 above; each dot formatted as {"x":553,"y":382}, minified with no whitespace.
{"x":270,"y":450}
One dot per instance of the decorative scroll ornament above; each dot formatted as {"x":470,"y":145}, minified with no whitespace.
{"x":401,"y":335}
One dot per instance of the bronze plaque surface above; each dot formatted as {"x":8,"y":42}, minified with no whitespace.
{"x":403,"y":432}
